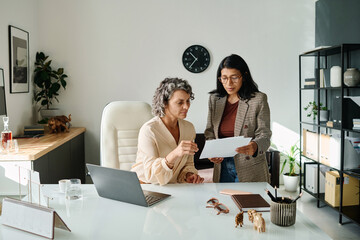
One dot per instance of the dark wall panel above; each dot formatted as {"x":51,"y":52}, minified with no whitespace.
{"x":337,"y":22}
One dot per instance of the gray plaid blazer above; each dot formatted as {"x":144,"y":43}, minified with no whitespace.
{"x":252,"y":120}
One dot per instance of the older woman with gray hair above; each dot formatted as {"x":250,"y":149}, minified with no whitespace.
{"x":166,"y":145}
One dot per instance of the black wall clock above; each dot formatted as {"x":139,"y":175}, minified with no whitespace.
{"x":196,"y":59}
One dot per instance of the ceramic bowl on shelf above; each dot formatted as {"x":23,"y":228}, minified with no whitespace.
{"x":352,"y":77}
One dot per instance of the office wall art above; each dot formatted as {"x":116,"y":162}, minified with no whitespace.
{"x":19,"y":60}
{"x":2,"y":93}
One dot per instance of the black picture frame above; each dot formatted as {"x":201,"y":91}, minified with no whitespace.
{"x":19,"y":60}
{"x":2,"y":94}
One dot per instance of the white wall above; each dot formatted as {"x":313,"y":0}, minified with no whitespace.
{"x":121,"y":50}
{"x":21,"y":14}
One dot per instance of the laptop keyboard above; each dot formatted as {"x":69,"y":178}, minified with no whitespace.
{"x":152,"y":199}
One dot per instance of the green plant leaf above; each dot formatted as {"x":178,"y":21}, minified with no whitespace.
{"x":44,"y":102}
{"x":282,"y":168}
{"x":63,"y":83}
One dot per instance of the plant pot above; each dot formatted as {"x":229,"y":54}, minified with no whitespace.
{"x":48,"y":113}
{"x":324,"y":115}
{"x":291,"y":182}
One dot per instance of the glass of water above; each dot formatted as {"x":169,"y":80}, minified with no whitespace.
{"x":73,"y":191}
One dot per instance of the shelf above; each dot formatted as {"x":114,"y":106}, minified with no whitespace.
{"x":334,"y":128}
{"x":351,"y":130}
{"x":322,"y":126}
{"x":355,"y":173}
{"x":328,"y":51}
{"x":321,"y":196}
{"x":322,"y":56}
{"x":330,"y":88}
{"x":316,"y":161}
{"x":351,"y":212}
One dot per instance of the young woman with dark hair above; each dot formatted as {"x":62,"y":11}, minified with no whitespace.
{"x":238,"y":108}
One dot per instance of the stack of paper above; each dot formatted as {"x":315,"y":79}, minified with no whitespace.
{"x":224,"y":147}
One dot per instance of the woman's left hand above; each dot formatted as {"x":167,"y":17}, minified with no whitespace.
{"x":249,"y":149}
{"x":193,"y":178}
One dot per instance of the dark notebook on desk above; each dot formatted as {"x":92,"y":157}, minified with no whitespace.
{"x":251,"y":201}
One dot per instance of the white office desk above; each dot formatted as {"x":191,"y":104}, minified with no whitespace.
{"x":182,"y":216}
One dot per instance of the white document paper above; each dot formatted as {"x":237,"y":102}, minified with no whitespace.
{"x":224,"y":147}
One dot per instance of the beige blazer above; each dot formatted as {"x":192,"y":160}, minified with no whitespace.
{"x":252,"y":120}
{"x":155,"y":142}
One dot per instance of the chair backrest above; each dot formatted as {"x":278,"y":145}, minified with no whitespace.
{"x":120,"y":125}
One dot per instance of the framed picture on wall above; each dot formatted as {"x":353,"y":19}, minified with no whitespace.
{"x":19,"y":60}
{"x":2,"y":93}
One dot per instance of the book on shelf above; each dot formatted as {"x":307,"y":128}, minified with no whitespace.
{"x":310,"y":83}
{"x":246,"y":202}
{"x":34,"y":130}
{"x":34,"y":127}
{"x":322,"y":77}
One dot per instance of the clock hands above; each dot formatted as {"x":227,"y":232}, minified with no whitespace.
{"x":193,"y":62}
{"x":193,"y":56}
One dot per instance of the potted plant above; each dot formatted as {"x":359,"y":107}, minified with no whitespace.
{"x":291,"y":178}
{"x":313,"y":111}
{"x":48,"y":83}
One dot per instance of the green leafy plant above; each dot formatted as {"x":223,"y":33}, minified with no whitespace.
{"x":313,"y":108}
{"x":48,"y":81}
{"x":291,"y":160}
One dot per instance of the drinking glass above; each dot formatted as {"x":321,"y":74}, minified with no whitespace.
{"x":73,"y":191}
{"x":16,"y":145}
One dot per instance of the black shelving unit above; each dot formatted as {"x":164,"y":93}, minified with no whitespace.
{"x":323,"y":59}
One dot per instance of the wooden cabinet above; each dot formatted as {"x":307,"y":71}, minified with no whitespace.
{"x":54,"y":156}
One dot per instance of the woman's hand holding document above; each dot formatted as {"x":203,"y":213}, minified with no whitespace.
{"x":224,"y":147}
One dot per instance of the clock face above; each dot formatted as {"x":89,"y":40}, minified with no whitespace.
{"x":196,"y":59}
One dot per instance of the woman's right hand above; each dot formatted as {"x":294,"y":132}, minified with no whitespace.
{"x":216,"y":160}
{"x":184,"y":148}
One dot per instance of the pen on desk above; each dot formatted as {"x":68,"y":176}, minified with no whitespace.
{"x":270,"y":195}
{"x":297,"y":198}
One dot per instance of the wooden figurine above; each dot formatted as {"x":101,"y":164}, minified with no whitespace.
{"x":239,"y":219}
{"x":259,"y":222}
{"x":251,"y":213}
{"x":58,"y":124}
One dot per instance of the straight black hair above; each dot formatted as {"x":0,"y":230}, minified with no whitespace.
{"x":248,"y":88}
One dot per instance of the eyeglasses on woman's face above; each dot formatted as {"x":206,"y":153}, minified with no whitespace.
{"x":233,"y":78}
{"x":219,"y":207}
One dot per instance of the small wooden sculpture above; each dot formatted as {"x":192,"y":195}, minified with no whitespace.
{"x":259,"y":222}
{"x":239,"y":219}
{"x":58,"y":124}
{"x":251,"y":213}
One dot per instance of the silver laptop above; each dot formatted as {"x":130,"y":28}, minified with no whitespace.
{"x":122,"y":186}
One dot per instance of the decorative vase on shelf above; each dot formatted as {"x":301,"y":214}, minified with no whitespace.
{"x":335,"y":76}
{"x":352,"y":77}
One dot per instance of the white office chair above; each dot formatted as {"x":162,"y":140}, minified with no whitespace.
{"x":120,"y":125}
